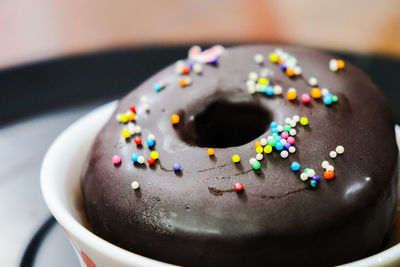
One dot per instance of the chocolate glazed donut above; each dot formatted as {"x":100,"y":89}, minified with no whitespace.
{"x":195,"y":218}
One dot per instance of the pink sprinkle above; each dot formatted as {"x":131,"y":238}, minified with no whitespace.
{"x":284,"y":135}
{"x":290,"y":140}
{"x":116,"y":159}
{"x":305,"y":98}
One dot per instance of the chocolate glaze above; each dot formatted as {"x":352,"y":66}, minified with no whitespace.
{"x":195,"y":218}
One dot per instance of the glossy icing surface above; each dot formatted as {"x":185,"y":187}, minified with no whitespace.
{"x":194,"y":218}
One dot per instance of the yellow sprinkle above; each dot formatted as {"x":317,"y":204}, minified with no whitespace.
{"x":263,"y":81}
{"x":273,"y":57}
{"x":235,"y":158}
{"x":259,"y":149}
{"x":154,"y":155}
{"x":210,"y":151}
{"x":124,"y":118}
{"x":267,"y":149}
{"x":304,"y":121}
{"x":126,"y":134}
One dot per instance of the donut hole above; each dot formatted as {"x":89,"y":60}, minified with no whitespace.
{"x":227,"y":124}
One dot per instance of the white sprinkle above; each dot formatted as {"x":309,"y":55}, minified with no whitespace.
{"x":140,"y":159}
{"x":332,"y":154}
{"x":278,"y":52}
{"x":131,"y":128}
{"x":146,"y":106}
{"x":333,"y":65}
{"x":297,"y":70}
{"x":252,"y":89}
{"x":296,"y":118}
{"x":263,"y":141}
{"x":258,"y":58}
{"x":291,"y":89}
{"x":293,"y":124}
{"x":292,"y":132}
{"x":259,"y":87}
{"x":277,"y":90}
{"x":179,"y":66}
{"x":340,"y":150}
{"x":280,"y":128}
{"x":253,"y":76}
{"x":292,"y":149}
{"x":151,"y":136}
{"x":288,"y":120}
{"x":135,"y":185}
{"x":325,"y":164}
{"x":118,"y":117}
{"x":250,"y":83}
{"x":330,"y":168}
{"x":312,"y":81}
{"x":283,"y":141}
{"x":144,"y":99}
{"x":259,"y":156}
{"x":310,"y":173}
{"x":252,"y":160}
{"x":303,"y":176}
{"x":324,"y":91}
{"x":284,"y":154}
{"x":197,"y":68}
{"x":138,"y":129}
{"x":188,"y":81}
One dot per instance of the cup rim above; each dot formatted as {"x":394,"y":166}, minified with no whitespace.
{"x":73,"y":227}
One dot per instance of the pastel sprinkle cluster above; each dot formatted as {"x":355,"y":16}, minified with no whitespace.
{"x":287,"y":62}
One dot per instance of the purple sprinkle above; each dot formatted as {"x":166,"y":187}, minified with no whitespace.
{"x":214,"y":61}
{"x":287,"y":145}
{"x":176,"y":167}
{"x":283,"y":67}
{"x":191,"y":63}
{"x":315,"y":178}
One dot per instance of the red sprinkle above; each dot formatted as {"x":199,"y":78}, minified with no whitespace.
{"x":150,"y":161}
{"x":186,"y":70}
{"x":238,"y":187}
{"x":138,"y":140}
{"x":132,"y":108}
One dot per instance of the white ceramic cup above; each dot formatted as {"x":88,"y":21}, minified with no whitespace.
{"x":60,"y":175}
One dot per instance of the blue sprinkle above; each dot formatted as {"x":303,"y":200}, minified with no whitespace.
{"x":134,"y":157}
{"x":287,"y":146}
{"x":283,"y":67}
{"x":176,"y":167}
{"x":214,"y":61}
{"x":328,"y":99}
{"x":279,"y":146}
{"x":157,"y":87}
{"x":313,"y":183}
{"x":274,"y":124}
{"x":278,"y":138}
{"x":295,"y":166}
{"x":316,"y":178}
{"x":274,"y":131}
{"x":150,"y":142}
{"x":270,"y":90}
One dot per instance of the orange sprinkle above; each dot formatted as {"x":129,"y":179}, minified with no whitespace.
{"x":131,"y":116}
{"x":329,"y":175}
{"x":175,"y":119}
{"x":257,"y":144}
{"x":289,"y":72}
{"x":340,"y":64}
{"x":182,"y":82}
{"x":316,"y":93}
{"x":185,"y":70}
{"x":280,"y":61}
{"x":210,"y":151}
{"x":291,"y":95}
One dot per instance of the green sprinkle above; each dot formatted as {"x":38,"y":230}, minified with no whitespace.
{"x":256,"y":165}
{"x":334,"y":98}
{"x":306,"y":170}
{"x":287,"y":128}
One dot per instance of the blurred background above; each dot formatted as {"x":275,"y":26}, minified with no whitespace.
{"x":36,"y":30}
{"x":60,"y":59}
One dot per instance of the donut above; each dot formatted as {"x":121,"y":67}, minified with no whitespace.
{"x":255,"y":155}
